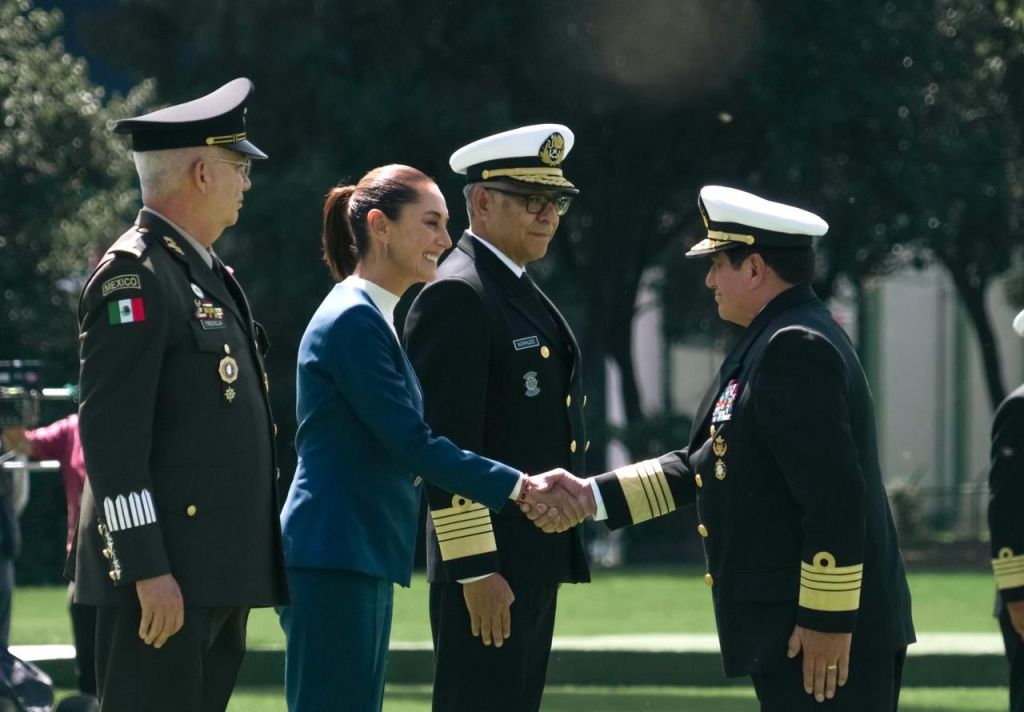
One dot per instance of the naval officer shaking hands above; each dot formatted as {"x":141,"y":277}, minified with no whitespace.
{"x":350,"y":518}
{"x":804,"y":566}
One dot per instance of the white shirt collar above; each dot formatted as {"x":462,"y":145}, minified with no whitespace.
{"x":516,"y":269}
{"x":204,"y":252}
{"x":381,"y":298}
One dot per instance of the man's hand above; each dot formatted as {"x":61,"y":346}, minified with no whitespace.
{"x":15,"y":440}
{"x":1016,"y":611}
{"x":488,"y":601}
{"x":826,"y":660}
{"x":557,"y":501}
{"x":163,"y":609}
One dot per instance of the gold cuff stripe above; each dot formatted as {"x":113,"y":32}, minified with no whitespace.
{"x":829,"y":601}
{"x":646,"y":490}
{"x":460,"y":526}
{"x":456,"y":514}
{"x":466,"y":532}
{"x":226,"y":138}
{"x":1005,"y":581}
{"x":1009,"y":569}
{"x":512,"y":172}
{"x":661,"y":485}
{"x":719,"y":236}
{"x":464,"y":529}
{"x":462,"y":547}
{"x":827,"y":587}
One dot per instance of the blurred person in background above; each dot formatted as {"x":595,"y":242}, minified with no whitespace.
{"x":60,"y":441}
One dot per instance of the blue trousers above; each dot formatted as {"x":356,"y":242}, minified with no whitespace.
{"x":337,"y":629}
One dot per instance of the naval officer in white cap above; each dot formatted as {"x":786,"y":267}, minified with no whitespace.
{"x":501,"y":375}
{"x":804,"y":569}
{"x":1006,"y":487}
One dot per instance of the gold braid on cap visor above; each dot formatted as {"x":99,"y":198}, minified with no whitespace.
{"x":228,"y":138}
{"x":719,"y":236}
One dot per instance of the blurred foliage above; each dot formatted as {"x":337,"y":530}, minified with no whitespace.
{"x":66,"y":185}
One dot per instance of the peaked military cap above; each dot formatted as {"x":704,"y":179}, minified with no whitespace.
{"x":734,"y":217}
{"x":530,"y":157}
{"x":217,"y":119}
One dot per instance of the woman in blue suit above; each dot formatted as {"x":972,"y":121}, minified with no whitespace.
{"x":349,"y":521}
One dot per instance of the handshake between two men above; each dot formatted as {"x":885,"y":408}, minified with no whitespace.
{"x":557,"y":500}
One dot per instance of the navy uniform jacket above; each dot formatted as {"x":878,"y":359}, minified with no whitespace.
{"x":176,"y":430}
{"x":1006,"y":505}
{"x":783,"y":465}
{"x":501,"y":374}
{"x":364,"y":448}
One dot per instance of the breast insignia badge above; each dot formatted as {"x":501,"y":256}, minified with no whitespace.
{"x":719,"y":446}
{"x":531,"y":384}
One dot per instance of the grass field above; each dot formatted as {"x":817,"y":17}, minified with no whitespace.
{"x":633,"y":600}
{"x":652,"y":699}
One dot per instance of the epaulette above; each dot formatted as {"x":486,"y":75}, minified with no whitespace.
{"x":134,"y":242}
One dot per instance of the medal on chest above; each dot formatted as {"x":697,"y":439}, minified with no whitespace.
{"x":209,"y":315}
{"x":227,"y":369}
{"x":726,"y":401}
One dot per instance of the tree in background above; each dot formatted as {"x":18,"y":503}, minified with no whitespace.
{"x":903,"y":131}
{"x":66,"y":185}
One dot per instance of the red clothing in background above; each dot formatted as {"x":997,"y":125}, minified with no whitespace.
{"x":59,"y":441}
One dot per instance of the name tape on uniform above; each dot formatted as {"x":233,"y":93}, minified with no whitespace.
{"x":127,"y":281}
{"x":530,"y":342}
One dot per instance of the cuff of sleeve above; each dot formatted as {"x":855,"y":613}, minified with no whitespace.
{"x":602,"y":512}
{"x":645,"y":490}
{"x":827,"y":588}
{"x":473,"y":579}
{"x":514,"y":494}
{"x":1009,"y":570}
{"x":463,"y":530}
{"x":843,"y":622}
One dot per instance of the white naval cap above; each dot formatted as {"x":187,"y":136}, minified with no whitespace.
{"x":529,"y":156}
{"x":1018,"y":323}
{"x":734,"y":217}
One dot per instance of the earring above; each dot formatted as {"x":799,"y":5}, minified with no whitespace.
{"x":387,"y":249}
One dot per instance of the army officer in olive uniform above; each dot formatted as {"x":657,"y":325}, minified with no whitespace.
{"x":501,"y":375}
{"x":1006,"y":503}
{"x":810,"y":593}
{"x":178,"y":535}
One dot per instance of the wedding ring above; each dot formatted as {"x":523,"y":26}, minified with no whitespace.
{"x":831,"y":667}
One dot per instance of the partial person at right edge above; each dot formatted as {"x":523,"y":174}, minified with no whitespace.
{"x":1006,"y":523}
{"x":349,"y":522}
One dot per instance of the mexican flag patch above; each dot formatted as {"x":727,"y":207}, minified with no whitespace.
{"x":126,"y":311}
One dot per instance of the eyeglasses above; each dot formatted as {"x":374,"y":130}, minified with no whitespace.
{"x":536,"y":203}
{"x":244,"y":167}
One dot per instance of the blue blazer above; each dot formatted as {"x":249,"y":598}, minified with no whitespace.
{"x":363,"y":447}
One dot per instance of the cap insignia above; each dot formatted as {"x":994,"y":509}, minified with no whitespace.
{"x":227,"y":138}
{"x":551,"y":151}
